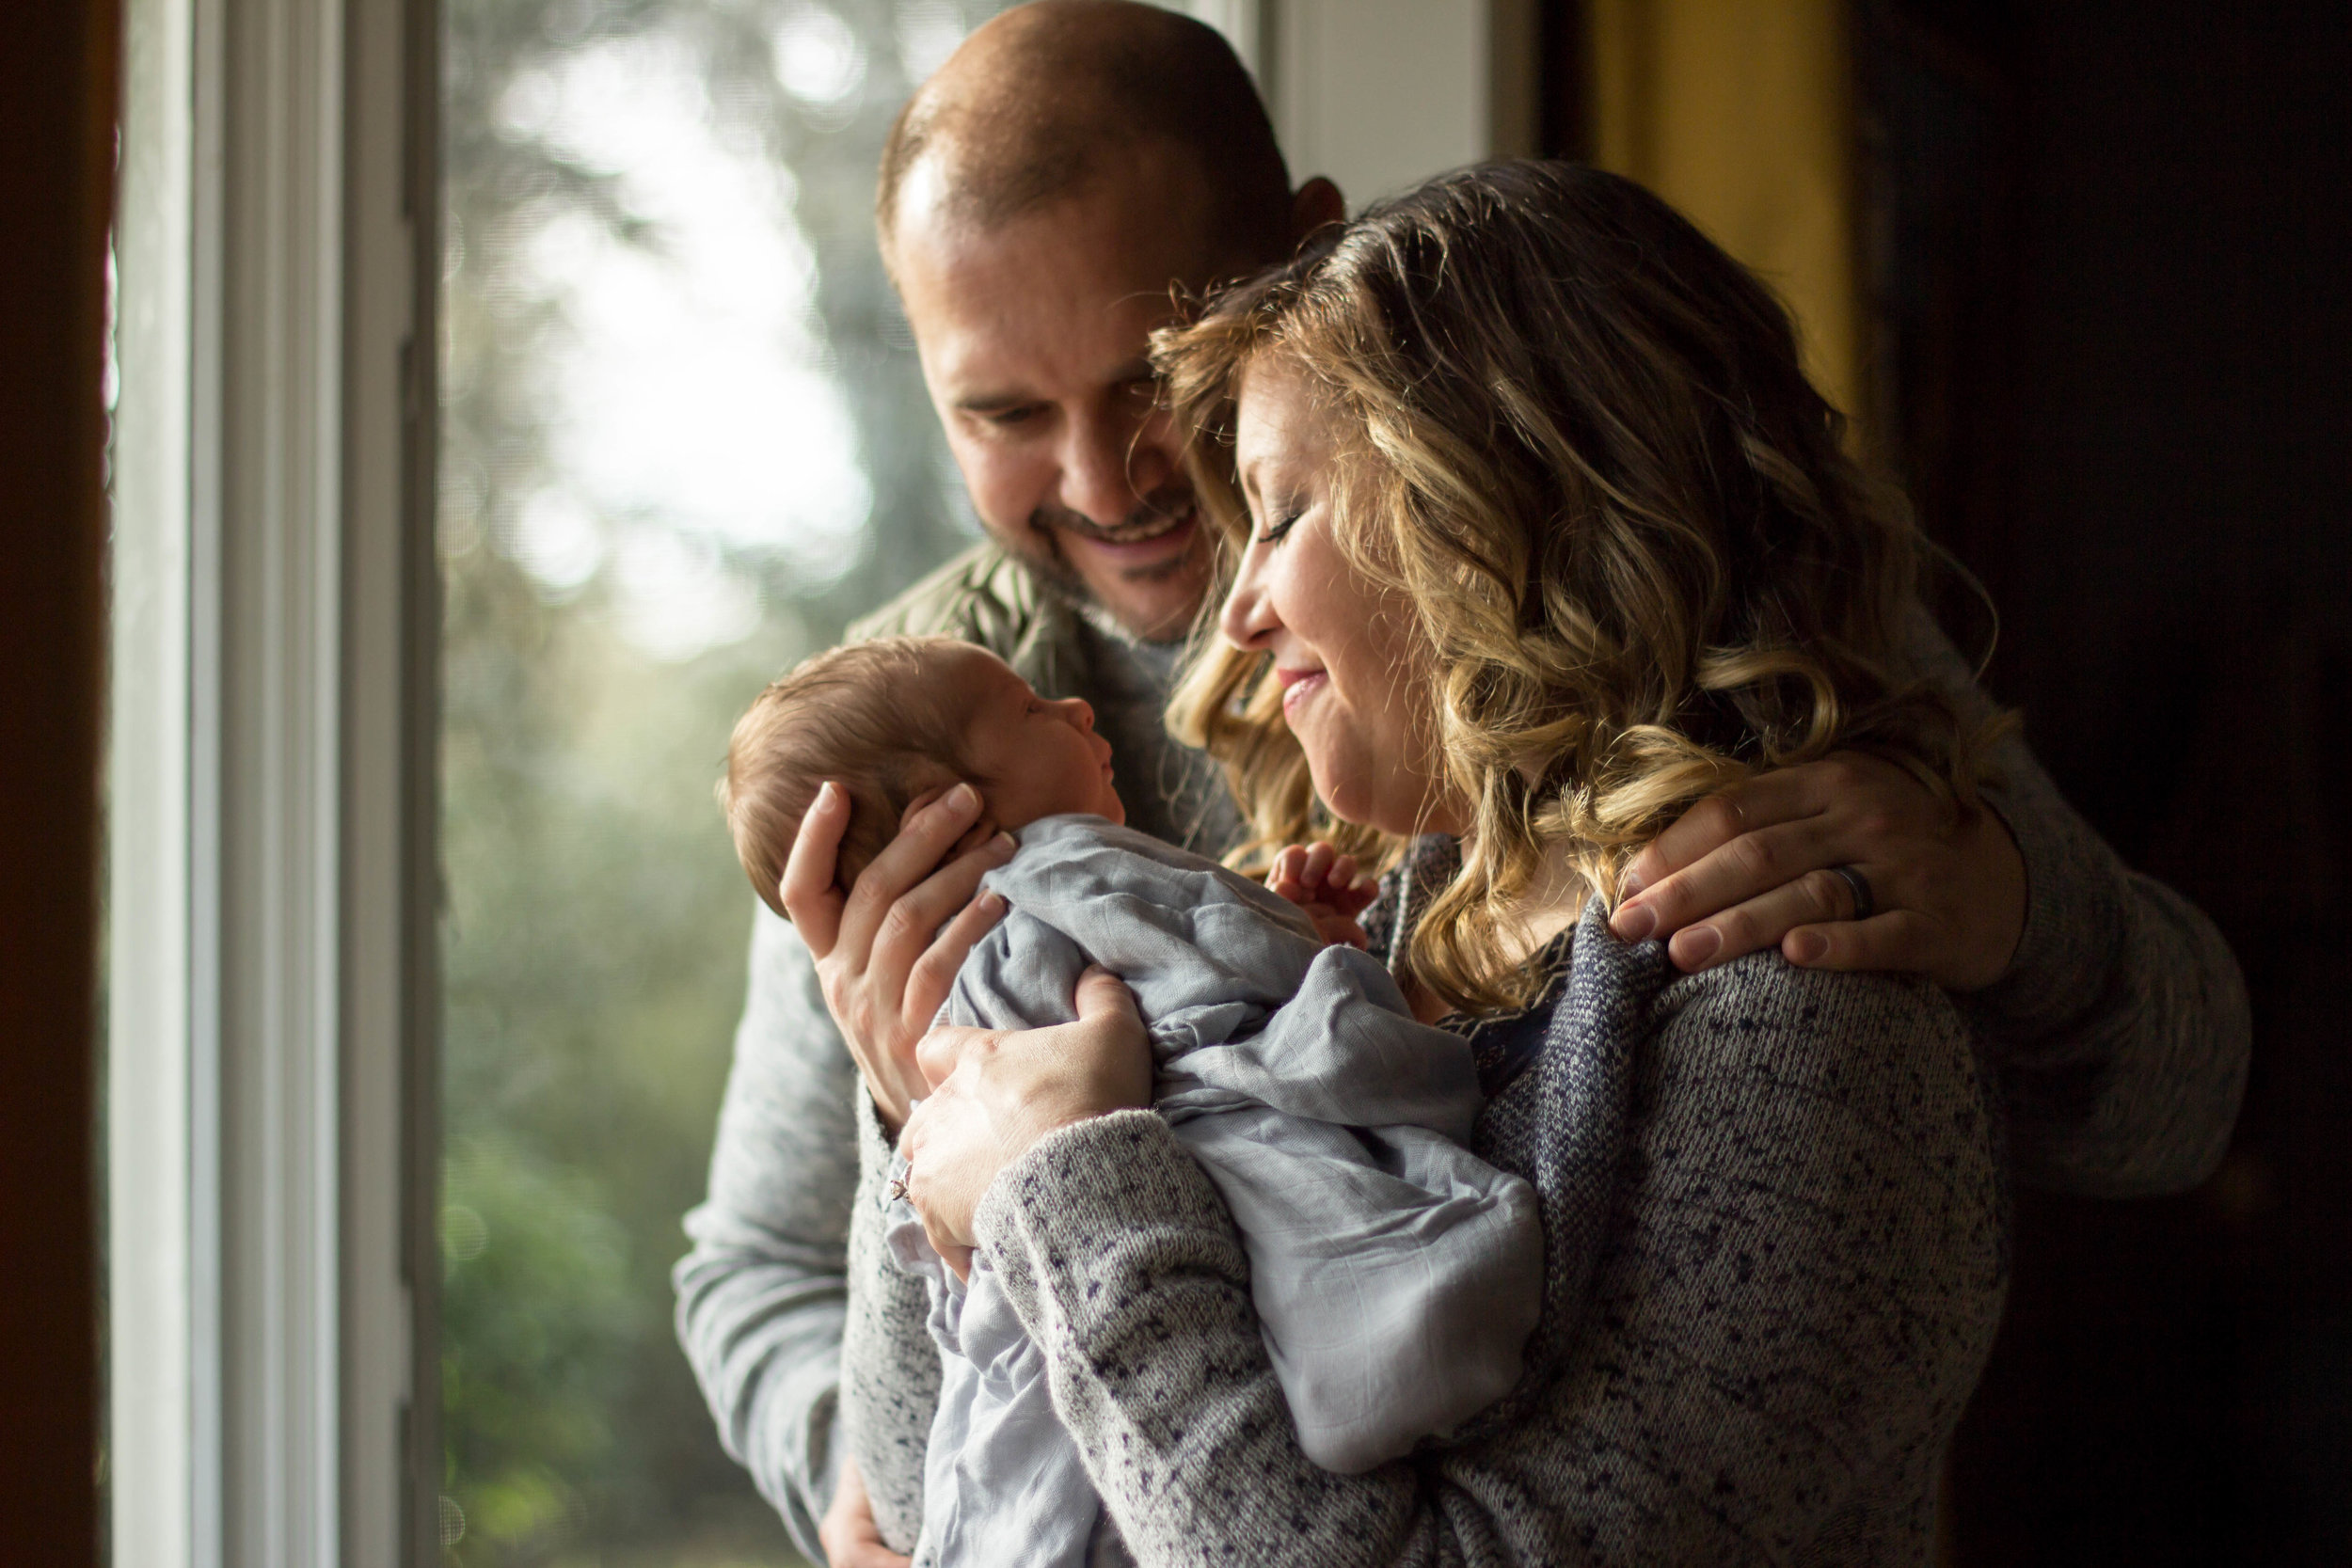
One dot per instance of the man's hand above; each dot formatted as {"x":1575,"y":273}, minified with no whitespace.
{"x":888,"y":954}
{"x":995,"y":1093}
{"x":1326,"y":884}
{"x":1750,"y":867}
{"x":846,"y":1531}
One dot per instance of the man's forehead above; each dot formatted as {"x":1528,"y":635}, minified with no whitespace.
{"x":1140,"y":185}
{"x":1130,"y":232}
{"x":1028,"y":303}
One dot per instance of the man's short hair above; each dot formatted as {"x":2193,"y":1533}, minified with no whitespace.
{"x":1040,"y":99}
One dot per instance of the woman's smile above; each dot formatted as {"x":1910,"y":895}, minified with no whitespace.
{"x":1353,"y":671}
{"x":1298,"y":685}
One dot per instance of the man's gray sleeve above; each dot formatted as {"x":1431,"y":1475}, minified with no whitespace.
{"x":762,"y":1296}
{"x":2122,"y":1026}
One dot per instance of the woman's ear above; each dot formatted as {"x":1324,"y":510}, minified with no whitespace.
{"x":1315,"y":204}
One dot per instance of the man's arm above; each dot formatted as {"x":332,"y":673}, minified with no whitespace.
{"x":2114,"y":1006}
{"x":761,"y":1297}
{"x":2122,"y":1025}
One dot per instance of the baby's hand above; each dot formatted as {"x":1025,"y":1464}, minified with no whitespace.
{"x":1324,"y":883}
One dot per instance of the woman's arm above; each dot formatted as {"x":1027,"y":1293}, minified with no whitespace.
{"x":1801,"y":1282}
{"x":890,"y":1368}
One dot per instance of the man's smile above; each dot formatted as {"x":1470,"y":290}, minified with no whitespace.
{"x":1144,"y":529}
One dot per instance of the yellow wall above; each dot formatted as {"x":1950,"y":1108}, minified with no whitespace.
{"x":1739,"y":111}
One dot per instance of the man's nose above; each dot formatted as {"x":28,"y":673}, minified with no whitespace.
{"x":1111,"y":466}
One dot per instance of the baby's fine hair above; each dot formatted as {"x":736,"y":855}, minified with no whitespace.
{"x":865,"y":716}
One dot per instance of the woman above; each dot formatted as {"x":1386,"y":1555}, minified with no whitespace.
{"x":1536,"y":535}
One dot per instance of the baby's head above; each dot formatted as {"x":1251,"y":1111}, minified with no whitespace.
{"x":892,"y":721}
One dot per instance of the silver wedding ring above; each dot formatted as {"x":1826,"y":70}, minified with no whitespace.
{"x":1865,"y":905}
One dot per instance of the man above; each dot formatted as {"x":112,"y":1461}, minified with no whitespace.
{"x":1038,"y":199}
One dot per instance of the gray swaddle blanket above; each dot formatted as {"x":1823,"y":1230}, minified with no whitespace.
{"x":1396,"y":1275}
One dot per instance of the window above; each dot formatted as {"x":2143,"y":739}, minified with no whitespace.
{"x":427,"y":943}
{"x":684,"y":440}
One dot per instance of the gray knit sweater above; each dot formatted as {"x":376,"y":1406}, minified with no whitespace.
{"x":1801,"y":1268}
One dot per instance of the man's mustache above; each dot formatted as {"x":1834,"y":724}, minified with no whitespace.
{"x":1155,"y":516}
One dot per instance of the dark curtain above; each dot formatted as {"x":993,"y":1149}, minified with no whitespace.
{"x":56,"y":123}
{"x":2109,"y":252}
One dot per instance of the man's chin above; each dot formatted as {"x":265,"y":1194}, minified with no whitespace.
{"x":1152,"y":588}
{"x":1156,"y":602}
{"x":1152,"y":613}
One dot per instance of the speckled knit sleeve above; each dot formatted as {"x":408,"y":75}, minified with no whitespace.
{"x":890,"y":1371}
{"x":1802,"y":1272}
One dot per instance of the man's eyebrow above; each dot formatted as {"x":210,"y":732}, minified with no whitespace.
{"x":1137,"y":369}
{"x":993,"y":403}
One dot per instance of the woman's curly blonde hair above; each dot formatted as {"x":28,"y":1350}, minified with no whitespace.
{"x":1576,"y":440}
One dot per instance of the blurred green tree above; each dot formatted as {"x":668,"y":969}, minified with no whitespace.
{"x":603,"y":624}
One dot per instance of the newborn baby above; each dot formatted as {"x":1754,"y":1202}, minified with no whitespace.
{"x":1395,"y":1275}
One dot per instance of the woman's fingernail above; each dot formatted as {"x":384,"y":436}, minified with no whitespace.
{"x":992,"y":903}
{"x":964,"y":797}
{"x":1630,"y":884}
{"x":1003,"y":843}
{"x":1696,"y":946}
{"x":1634,"y":924}
{"x":827,"y":793}
{"x":1807,"y":947}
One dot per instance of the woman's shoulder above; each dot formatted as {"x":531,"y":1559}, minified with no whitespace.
{"x":1696,"y":1060}
{"x":1755,"y":1070}
{"x":1763,"y":1000}
{"x":1801,"y":1261}
{"x":1891,"y":1053}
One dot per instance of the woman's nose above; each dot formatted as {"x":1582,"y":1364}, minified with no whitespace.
{"x":1247,"y":618}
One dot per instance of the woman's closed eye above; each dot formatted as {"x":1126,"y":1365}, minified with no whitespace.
{"x":1273,"y":531}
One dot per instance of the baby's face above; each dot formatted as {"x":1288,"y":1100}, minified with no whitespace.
{"x":1043,"y":757}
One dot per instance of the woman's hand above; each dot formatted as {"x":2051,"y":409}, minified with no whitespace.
{"x":846,"y":1531}
{"x":995,"y":1093}
{"x":1750,"y":867}
{"x":1326,"y":884}
{"x":888,"y":954}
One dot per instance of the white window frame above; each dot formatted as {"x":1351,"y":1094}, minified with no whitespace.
{"x":1333,"y":71}
{"x":273,"y":1148}
{"x":271,"y":1059}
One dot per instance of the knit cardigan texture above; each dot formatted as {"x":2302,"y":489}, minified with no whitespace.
{"x":1798,"y":1187}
